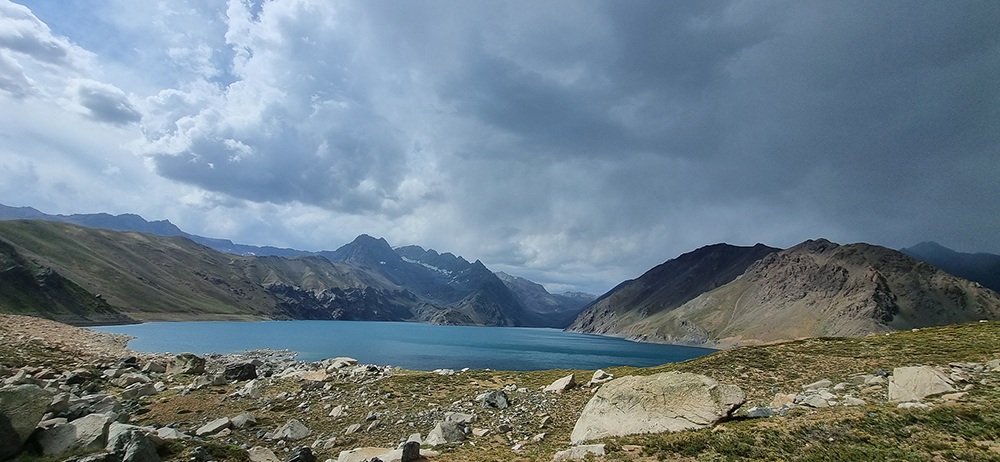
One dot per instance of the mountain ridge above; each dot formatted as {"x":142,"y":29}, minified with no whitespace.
{"x":814,"y":289}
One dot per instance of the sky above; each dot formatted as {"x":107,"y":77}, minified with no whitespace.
{"x":574,"y":143}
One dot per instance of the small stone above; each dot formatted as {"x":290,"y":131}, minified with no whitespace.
{"x":758,"y":412}
{"x":563,"y":384}
{"x":579,"y":452}
{"x":353,"y":428}
{"x":301,"y":454}
{"x":538,"y":437}
{"x":817,"y":385}
{"x":293,"y":430}
{"x":213,"y":427}
{"x":262,"y":454}
{"x":495,"y":400}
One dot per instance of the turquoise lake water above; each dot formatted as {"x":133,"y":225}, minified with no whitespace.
{"x":409,"y":345}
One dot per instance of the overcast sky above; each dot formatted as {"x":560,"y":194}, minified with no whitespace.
{"x":574,"y":143}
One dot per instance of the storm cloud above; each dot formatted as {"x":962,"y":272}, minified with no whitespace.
{"x":576,"y":143}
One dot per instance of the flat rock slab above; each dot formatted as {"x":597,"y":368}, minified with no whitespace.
{"x":671,"y":401}
{"x":917,"y":382}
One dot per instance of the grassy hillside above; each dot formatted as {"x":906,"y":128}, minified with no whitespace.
{"x":148,"y":277}
{"x":29,"y":288}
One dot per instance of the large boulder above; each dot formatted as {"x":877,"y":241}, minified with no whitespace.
{"x":671,"y":401}
{"x":917,"y":382}
{"x":445,"y":432}
{"x":21,"y":408}
{"x":186,"y":363}
{"x":132,"y":443}
{"x":240,"y":371}
{"x":86,"y":433}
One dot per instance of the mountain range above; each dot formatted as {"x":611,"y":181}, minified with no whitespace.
{"x":724,"y":296}
{"x":122,"y":268}
{"x":162,"y":273}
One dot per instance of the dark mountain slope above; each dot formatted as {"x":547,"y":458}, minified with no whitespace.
{"x":666,"y":287}
{"x":983,"y":268}
{"x":29,"y":288}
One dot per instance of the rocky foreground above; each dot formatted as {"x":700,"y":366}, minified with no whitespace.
{"x":75,"y":394}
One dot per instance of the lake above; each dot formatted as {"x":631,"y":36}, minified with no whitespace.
{"x":409,"y":345}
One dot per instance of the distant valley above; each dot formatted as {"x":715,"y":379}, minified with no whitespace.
{"x":105,"y":269}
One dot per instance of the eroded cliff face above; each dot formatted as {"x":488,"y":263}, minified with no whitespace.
{"x":817,"y":288}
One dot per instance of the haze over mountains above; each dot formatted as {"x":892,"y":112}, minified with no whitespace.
{"x":719,"y":295}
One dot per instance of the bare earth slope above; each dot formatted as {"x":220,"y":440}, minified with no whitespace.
{"x":664,"y":288}
{"x":819,"y":288}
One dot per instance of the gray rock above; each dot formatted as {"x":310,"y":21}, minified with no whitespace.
{"x":262,"y":454}
{"x":240,"y":371}
{"x":563,"y":384}
{"x":99,"y":457}
{"x":654,"y":404}
{"x":813,"y":401}
{"x":214,"y":427}
{"x":252,"y":389}
{"x":579,"y":452}
{"x":186,"y":363}
{"x":244,"y":420}
{"x":849,"y":400}
{"x":411,"y":451}
{"x":460,"y":418}
{"x":139,"y":389}
{"x":445,"y":432}
{"x":293,"y":430}
{"x":495,"y":400}
{"x":758,"y":412}
{"x":817,"y":385}
{"x":168,"y":433}
{"x":353,"y":428}
{"x":301,"y":454}
{"x":87,"y":433}
{"x":132,"y":442}
{"x":204,"y":381}
{"x":154,"y":367}
{"x":128,"y":379}
{"x":59,"y":404}
{"x":21,"y":408}
{"x":600,"y":377}
{"x":916,"y":383}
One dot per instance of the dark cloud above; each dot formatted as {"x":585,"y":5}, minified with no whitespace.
{"x":581,"y":141}
{"x":105,"y":103}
